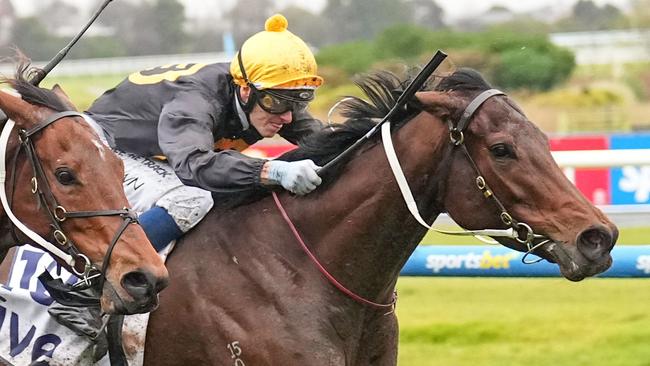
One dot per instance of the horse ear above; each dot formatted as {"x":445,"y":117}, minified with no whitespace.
{"x":16,"y":109}
{"x":64,"y":97}
{"x":441,"y":104}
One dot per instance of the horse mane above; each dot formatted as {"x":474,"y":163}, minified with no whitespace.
{"x":30,"y":93}
{"x":382,"y":89}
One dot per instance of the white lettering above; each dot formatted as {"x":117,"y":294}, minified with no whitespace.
{"x":643,"y":263}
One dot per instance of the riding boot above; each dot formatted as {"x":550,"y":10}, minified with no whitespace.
{"x":160,"y":227}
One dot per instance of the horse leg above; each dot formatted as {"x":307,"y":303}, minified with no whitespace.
{"x":378,"y":345}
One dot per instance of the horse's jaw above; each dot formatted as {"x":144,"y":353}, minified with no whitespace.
{"x":572,"y":264}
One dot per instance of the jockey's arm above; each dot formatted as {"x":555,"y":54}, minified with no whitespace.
{"x":185,"y":135}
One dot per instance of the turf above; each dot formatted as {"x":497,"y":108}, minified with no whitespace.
{"x":511,"y":321}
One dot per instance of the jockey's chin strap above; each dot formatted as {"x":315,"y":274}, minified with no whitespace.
{"x":519,"y":231}
{"x":65,"y":251}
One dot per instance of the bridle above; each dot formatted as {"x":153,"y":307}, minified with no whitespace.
{"x":64,"y":249}
{"x":520,"y":231}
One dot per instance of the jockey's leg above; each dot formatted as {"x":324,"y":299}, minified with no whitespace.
{"x":174,"y":214}
{"x":167,"y":207}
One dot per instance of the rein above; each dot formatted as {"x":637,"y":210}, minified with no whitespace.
{"x":519,"y":231}
{"x":323,"y":270}
{"x":66,"y":250}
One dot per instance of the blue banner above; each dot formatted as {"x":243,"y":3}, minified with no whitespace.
{"x":498,"y":261}
{"x":630,"y":184}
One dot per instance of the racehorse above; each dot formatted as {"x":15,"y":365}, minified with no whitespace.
{"x":245,"y":292}
{"x":64,"y":184}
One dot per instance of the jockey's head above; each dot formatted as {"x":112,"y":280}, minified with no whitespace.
{"x":276,"y":70}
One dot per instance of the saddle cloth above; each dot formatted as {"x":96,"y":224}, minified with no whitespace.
{"x":30,"y":336}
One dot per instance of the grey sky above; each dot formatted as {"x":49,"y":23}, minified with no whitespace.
{"x":454,"y":9}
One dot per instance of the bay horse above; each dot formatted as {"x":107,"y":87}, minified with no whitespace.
{"x":65,"y":185}
{"x":244,"y":292}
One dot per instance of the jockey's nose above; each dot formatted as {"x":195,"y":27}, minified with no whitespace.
{"x":142,"y":285}
{"x":286,"y":117}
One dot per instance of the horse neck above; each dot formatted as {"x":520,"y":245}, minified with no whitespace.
{"x":361,"y":224}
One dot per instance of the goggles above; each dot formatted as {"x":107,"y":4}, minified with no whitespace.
{"x":278,"y":102}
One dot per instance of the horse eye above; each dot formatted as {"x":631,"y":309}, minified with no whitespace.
{"x":65,"y":176}
{"x":502,"y":151}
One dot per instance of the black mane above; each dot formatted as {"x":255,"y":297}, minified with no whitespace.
{"x":33,"y":94}
{"x":382,"y":89}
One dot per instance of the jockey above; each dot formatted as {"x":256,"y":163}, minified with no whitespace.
{"x":180,"y":128}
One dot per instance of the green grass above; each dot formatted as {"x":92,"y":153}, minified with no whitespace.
{"x":84,"y":90}
{"x":529,"y":322}
{"x":490,"y":321}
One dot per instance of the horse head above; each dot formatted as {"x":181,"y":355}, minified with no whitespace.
{"x":504,"y":175}
{"x":76,"y":198}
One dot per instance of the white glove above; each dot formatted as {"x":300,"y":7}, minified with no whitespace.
{"x":298,"y":177}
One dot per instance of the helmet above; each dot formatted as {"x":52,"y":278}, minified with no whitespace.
{"x":275,"y":58}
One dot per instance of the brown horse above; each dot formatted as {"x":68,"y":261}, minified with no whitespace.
{"x":66,"y":186}
{"x":243,"y":292}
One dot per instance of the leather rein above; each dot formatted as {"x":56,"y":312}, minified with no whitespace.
{"x":64,"y":249}
{"x":519,"y":231}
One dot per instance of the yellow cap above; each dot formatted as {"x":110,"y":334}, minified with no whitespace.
{"x":276,"y":58}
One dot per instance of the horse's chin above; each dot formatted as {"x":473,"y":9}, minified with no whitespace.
{"x":113,"y":303}
{"x":573,"y":265}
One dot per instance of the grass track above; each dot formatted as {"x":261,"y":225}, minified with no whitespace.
{"x":527,"y":322}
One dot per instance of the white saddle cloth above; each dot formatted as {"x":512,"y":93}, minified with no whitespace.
{"x":30,"y":336}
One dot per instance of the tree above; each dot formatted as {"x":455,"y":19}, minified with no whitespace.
{"x":588,"y":16}
{"x":168,"y":17}
{"x":149,"y":27}
{"x":57,"y":14}
{"x":312,"y":28}
{"x":247,"y":17}
{"x":426,"y":14}
{"x":34,"y":40}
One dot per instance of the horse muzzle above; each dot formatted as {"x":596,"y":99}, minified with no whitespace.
{"x":137,"y":293}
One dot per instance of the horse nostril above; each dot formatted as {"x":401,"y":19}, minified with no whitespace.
{"x":140,"y":284}
{"x":595,"y":242}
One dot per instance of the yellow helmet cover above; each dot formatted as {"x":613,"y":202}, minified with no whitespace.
{"x":276,"y":58}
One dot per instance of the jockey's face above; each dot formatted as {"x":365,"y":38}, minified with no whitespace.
{"x":267,"y":124}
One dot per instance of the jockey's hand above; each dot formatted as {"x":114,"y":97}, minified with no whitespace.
{"x":298,"y":177}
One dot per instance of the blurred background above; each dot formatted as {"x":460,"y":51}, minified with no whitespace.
{"x":576,"y":66}
{"x":580,"y":70}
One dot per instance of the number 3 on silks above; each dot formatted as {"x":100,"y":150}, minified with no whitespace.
{"x":167,"y":72}
{"x":236,"y":352}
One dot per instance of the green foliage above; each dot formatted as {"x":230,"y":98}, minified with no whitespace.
{"x":97,"y":46}
{"x":34,"y":40}
{"x":587,"y":16}
{"x":584,"y":97}
{"x":509,"y":60}
{"x":637,"y":77}
{"x":350,"y":57}
{"x":530,"y":68}
{"x":402,"y":41}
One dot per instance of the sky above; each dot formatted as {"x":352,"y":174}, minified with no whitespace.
{"x":454,"y":9}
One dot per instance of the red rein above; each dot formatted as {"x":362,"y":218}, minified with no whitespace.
{"x":324,"y":271}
